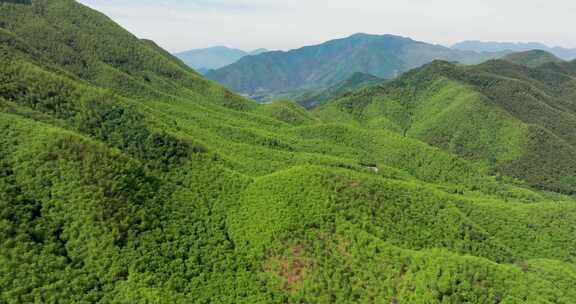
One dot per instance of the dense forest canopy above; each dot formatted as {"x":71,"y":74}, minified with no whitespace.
{"x":126,"y":177}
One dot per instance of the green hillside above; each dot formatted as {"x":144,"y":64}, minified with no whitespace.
{"x":125,"y":177}
{"x":514,"y":119}
{"x":532,"y":58}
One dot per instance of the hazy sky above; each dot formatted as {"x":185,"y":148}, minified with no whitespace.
{"x":284,"y":24}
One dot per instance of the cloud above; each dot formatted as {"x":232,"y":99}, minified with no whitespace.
{"x":283,"y":24}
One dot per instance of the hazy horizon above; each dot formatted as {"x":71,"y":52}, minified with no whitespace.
{"x":253,"y":24}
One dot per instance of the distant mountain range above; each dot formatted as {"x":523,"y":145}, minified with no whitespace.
{"x":481,"y":46}
{"x":216,"y":57}
{"x":321,"y":66}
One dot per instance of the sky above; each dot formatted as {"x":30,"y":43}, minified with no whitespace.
{"x":179,"y":25}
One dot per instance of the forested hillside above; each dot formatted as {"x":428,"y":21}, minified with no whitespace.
{"x":532,"y":58}
{"x":514,"y":119}
{"x":126,"y":177}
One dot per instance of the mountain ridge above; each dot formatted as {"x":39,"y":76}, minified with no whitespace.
{"x":485,"y":46}
{"x":496,"y":89}
{"x":533,"y":58}
{"x":320,"y":66}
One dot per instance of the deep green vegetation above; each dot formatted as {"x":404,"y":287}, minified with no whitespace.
{"x":319,"y":67}
{"x":515,"y":120}
{"x":125,"y":177}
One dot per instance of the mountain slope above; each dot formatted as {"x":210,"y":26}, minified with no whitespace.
{"x":128,"y":178}
{"x":214,"y":57}
{"x":481,"y":46}
{"x":354,"y":82}
{"x":516,"y":119}
{"x":320,"y":66}
{"x":101,"y":53}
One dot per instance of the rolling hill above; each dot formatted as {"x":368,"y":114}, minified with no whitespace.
{"x":532,"y":58}
{"x":321,"y":66}
{"x":126,"y":177}
{"x":204,"y":60}
{"x":514,"y":118}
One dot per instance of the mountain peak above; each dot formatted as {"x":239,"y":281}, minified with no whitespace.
{"x":321,"y":66}
{"x":377,"y":36}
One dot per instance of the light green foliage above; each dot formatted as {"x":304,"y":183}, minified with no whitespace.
{"x":512,"y":119}
{"x":288,"y":112}
{"x":127,"y":178}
